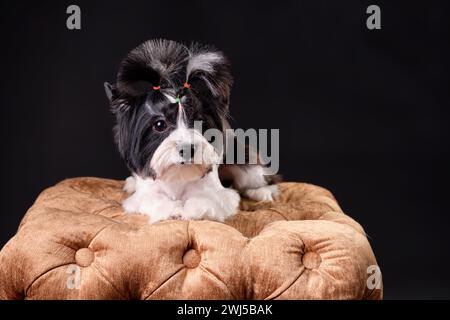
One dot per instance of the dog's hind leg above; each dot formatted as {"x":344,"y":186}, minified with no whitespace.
{"x":252,"y":181}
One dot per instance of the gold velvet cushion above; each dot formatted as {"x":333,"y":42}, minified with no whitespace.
{"x":76,"y":242}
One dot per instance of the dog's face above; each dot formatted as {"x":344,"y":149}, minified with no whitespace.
{"x":162,"y":89}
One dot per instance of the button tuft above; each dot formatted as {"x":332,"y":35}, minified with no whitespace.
{"x":84,"y":257}
{"x":191,"y":258}
{"x":311,"y":260}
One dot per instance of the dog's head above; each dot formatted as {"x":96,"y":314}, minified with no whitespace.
{"x":163,"y":88}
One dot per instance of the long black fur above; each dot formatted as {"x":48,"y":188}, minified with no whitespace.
{"x":137,"y":105}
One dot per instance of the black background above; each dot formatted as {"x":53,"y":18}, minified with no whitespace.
{"x":362,"y":113}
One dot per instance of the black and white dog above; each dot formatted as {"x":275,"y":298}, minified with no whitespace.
{"x":163,"y":90}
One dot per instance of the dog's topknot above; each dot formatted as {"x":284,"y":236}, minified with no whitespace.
{"x":153,"y":63}
{"x":210,"y":66}
{"x":168,"y":64}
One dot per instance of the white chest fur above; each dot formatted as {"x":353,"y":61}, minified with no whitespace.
{"x":204,"y":198}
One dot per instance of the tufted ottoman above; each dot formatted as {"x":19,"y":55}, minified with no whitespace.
{"x":75,"y":242}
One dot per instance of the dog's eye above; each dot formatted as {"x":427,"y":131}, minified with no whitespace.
{"x":160,"y":126}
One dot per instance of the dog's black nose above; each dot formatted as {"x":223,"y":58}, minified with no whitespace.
{"x":187,"y":151}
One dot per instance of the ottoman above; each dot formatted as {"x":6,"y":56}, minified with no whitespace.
{"x":76,"y":242}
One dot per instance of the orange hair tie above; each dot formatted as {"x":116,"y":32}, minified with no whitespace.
{"x":156,"y":87}
{"x":186,"y":85}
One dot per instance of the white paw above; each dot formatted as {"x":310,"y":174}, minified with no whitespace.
{"x":131,"y":205}
{"x":230,"y":201}
{"x":155,"y":206}
{"x":216,"y":207}
{"x":130,"y":185}
{"x":266,"y":193}
{"x":198,"y":208}
{"x":171,"y":211}
{"x":165,"y":210}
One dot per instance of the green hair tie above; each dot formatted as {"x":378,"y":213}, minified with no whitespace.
{"x":177,"y":100}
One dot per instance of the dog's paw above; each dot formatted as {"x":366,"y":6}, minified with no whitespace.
{"x":166,"y":210}
{"x":203,"y":209}
{"x":218,"y":208}
{"x":198,"y":208}
{"x":266,"y":193}
{"x":154,"y":206}
{"x":178,"y":217}
{"x":230,"y":200}
{"x":131,"y":205}
{"x":130,"y":185}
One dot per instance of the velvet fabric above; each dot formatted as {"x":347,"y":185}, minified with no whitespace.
{"x":76,"y":242}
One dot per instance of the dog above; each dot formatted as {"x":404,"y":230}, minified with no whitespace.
{"x":163,"y":89}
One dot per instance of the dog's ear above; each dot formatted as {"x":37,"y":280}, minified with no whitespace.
{"x":136,"y":78}
{"x":209,"y":69}
{"x":116,"y":104}
{"x":110,"y":91}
